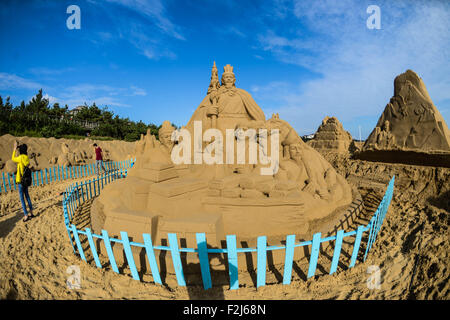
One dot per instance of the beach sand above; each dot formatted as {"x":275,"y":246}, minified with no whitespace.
{"x":411,"y":251}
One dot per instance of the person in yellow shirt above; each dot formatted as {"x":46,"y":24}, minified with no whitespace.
{"x":22,"y":161}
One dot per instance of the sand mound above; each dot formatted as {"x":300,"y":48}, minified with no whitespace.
{"x":47,"y":152}
{"x":332,"y":138}
{"x":410,"y":123}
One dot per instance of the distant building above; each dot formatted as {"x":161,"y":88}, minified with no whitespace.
{"x":75,"y":110}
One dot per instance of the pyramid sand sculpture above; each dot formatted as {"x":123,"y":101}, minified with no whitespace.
{"x":410,"y":121}
{"x":332,"y":138}
{"x":158,"y":197}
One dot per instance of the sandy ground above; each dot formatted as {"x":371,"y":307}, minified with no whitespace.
{"x":411,"y":251}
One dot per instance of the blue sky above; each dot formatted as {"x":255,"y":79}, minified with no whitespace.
{"x":151,"y":60}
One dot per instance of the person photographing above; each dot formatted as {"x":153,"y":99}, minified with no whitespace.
{"x":23,"y":177}
{"x":99,"y":158}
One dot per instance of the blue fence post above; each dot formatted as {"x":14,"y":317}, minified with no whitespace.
{"x":314,"y":254}
{"x":337,"y":251}
{"x":42,"y":177}
{"x":109,"y":251}
{"x":232,"y":262}
{"x":77,"y":194}
{"x":151,"y":258}
{"x":129,"y":255}
{"x":288,"y":258}
{"x":356,"y":245}
{"x":59,"y":173}
{"x":82,"y":191}
{"x":90,"y":190}
{"x":77,"y":241}
{"x":93,"y":248}
{"x":204,"y":261}
{"x":261,"y":261}
{"x":4,"y":184}
{"x":14,"y":181}
{"x":9,"y":182}
{"x":175,"y":253}
{"x":46,"y":176}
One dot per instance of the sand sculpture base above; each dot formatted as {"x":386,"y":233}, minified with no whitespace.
{"x":406,"y":157}
{"x":217,"y":216}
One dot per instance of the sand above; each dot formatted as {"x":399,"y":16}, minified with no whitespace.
{"x":412,"y":250}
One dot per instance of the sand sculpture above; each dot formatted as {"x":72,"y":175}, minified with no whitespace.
{"x":410,"y":128}
{"x":332,"y":138}
{"x":159,"y":196}
{"x":48,"y":152}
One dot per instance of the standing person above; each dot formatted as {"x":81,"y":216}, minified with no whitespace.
{"x":22,"y":161}
{"x":99,"y":158}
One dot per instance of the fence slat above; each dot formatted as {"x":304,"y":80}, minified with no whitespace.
{"x":204,"y":261}
{"x":337,"y":251}
{"x":42,"y":177}
{"x":232,"y":262}
{"x":356,"y":246}
{"x":90,"y":190}
{"x":109,"y":251}
{"x":93,"y":248}
{"x":288,"y":259}
{"x":69,"y":229}
{"x":262,"y":261}
{"x":14,"y":181}
{"x":176,"y":259}
{"x":314,"y":254}
{"x":4,"y":184}
{"x":129,"y":254}
{"x":9,"y":182}
{"x":151,"y":258}
{"x":77,"y":241}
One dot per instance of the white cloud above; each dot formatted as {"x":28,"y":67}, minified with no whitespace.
{"x":356,"y":65}
{"x":11,"y":81}
{"x":136,"y":91}
{"x":155,"y":11}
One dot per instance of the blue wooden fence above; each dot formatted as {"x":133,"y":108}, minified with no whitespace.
{"x":60,"y":173}
{"x":76,"y":193}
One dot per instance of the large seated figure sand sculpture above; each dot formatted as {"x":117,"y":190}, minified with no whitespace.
{"x":160,"y":196}
{"x":332,"y":138}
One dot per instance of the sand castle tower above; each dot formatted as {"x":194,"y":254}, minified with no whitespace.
{"x":410,"y":128}
{"x":293,"y":191}
{"x":331,"y":137}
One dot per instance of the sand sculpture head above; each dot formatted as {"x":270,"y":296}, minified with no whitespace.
{"x":165,"y":134}
{"x":228,"y":77}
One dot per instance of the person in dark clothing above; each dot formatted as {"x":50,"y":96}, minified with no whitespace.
{"x":99,"y":158}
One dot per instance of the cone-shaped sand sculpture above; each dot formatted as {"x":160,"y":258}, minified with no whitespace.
{"x":410,"y":129}
{"x":296,"y":191}
{"x":332,"y":138}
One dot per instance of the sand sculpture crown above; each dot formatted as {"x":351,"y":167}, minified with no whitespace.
{"x":228,"y":69}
